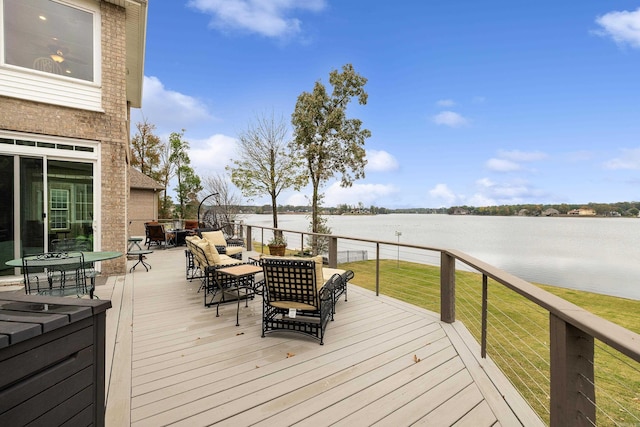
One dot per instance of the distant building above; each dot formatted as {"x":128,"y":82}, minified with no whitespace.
{"x":143,"y":201}
{"x":582,"y":212}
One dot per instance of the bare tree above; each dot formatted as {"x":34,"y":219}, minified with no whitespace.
{"x":225,"y":207}
{"x":165,"y":173}
{"x":266,"y":166}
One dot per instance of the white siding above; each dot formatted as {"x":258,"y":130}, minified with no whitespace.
{"x":50,"y":90}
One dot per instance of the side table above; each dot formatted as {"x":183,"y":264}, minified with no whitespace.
{"x":134,"y":243}
{"x":140,"y":254}
{"x":244,"y":274}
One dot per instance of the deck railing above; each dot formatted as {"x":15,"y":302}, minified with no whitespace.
{"x":556,"y":366}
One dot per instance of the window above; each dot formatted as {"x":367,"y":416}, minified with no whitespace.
{"x":84,"y":203}
{"x":59,"y":209}
{"x":49,"y":37}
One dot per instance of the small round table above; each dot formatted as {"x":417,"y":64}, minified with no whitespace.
{"x":134,"y":242}
{"x":140,"y":254}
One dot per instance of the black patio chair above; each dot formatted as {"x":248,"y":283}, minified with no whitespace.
{"x":292,"y":299}
{"x":56,"y":274}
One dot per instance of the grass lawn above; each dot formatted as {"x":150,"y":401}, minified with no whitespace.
{"x":518,"y":332}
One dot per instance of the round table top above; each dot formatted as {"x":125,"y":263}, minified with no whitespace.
{"x":88,"y":257}
{"x":140,"y":252}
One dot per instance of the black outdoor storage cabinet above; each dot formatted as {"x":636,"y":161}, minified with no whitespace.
{"x":52,"y":360}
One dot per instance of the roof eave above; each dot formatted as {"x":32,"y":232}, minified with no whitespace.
{"x":136,"y":34}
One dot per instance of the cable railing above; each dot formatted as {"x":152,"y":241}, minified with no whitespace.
{"x":571,"y":366}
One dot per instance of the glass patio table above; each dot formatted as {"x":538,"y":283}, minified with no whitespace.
{"x":89,"y":257}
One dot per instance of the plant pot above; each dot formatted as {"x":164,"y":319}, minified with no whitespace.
{"x":277,"y":250}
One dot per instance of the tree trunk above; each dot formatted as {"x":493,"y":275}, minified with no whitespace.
{"x":274,"y":211}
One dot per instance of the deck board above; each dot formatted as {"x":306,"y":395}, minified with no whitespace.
{"x":384,"y":361}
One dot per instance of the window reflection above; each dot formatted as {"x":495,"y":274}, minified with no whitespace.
{"x":70,"y":205}
{"x":50,"y":37}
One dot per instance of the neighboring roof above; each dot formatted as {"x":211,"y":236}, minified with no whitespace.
{"x":136,"y":28}
{"x":142,"y":181}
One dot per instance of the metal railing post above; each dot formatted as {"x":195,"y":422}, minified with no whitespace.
{"x":249,"y":239}
{"x":485,"y":304}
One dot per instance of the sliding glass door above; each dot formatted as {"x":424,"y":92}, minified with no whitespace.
{"x":7,"y":239}
{"x":53,"y":210}
{"x":31,"y":208}
{"x":70,"y":205}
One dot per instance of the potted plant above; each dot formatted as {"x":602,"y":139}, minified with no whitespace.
{"x":277,"y":244}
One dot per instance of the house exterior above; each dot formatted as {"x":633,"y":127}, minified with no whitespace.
{"x":582,"y":212}
{"x":143,"y":201}
{"x":70,"y":70}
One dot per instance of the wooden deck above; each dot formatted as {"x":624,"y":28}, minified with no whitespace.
{"x":170,"y":361}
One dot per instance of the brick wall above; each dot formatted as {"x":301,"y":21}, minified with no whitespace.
{"x":110,"y":129}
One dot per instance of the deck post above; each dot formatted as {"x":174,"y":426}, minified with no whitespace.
{"x":333,"y":252}
{"x":249,"y":239}
{"x":377,"y":269}
{"x":573,"y":399}
{"x":447,"y":288}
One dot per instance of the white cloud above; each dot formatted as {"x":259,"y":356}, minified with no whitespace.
{"x":502,"y":165}
{"x":623,"y":27}
{"x":368,"y":194}
{"x":168,"y":110}
{"x":480,"y":200}
{"x":504,"y":193}
{"x":489,"y":193}
{"x":270,"y":18}
{"x":296,"y":199}
{"x":444,"y":193}
{"x":630,"y":159}
{"x":522,"y":156}
{"x":334,"y":195}
{"x":380,"y":161}
{"x":449,"y":118}
{"x":210,"y":156}
{"x":446,"y":103}
{"x":510,"y":161}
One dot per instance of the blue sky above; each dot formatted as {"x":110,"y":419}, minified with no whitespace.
{"x":470,"y":103}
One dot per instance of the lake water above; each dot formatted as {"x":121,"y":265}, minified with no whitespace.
{"x":593,"y":254}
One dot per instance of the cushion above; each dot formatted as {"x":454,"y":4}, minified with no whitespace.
{"x":233,"y":250}
{"x":292,"y":304}
{"x":194,"y":238}
{"x":328,"y":272}
{"x":215,"y":237}
{"x":210,"y":251}
{"x":226,"y":259}
{"x":319,"y":277}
